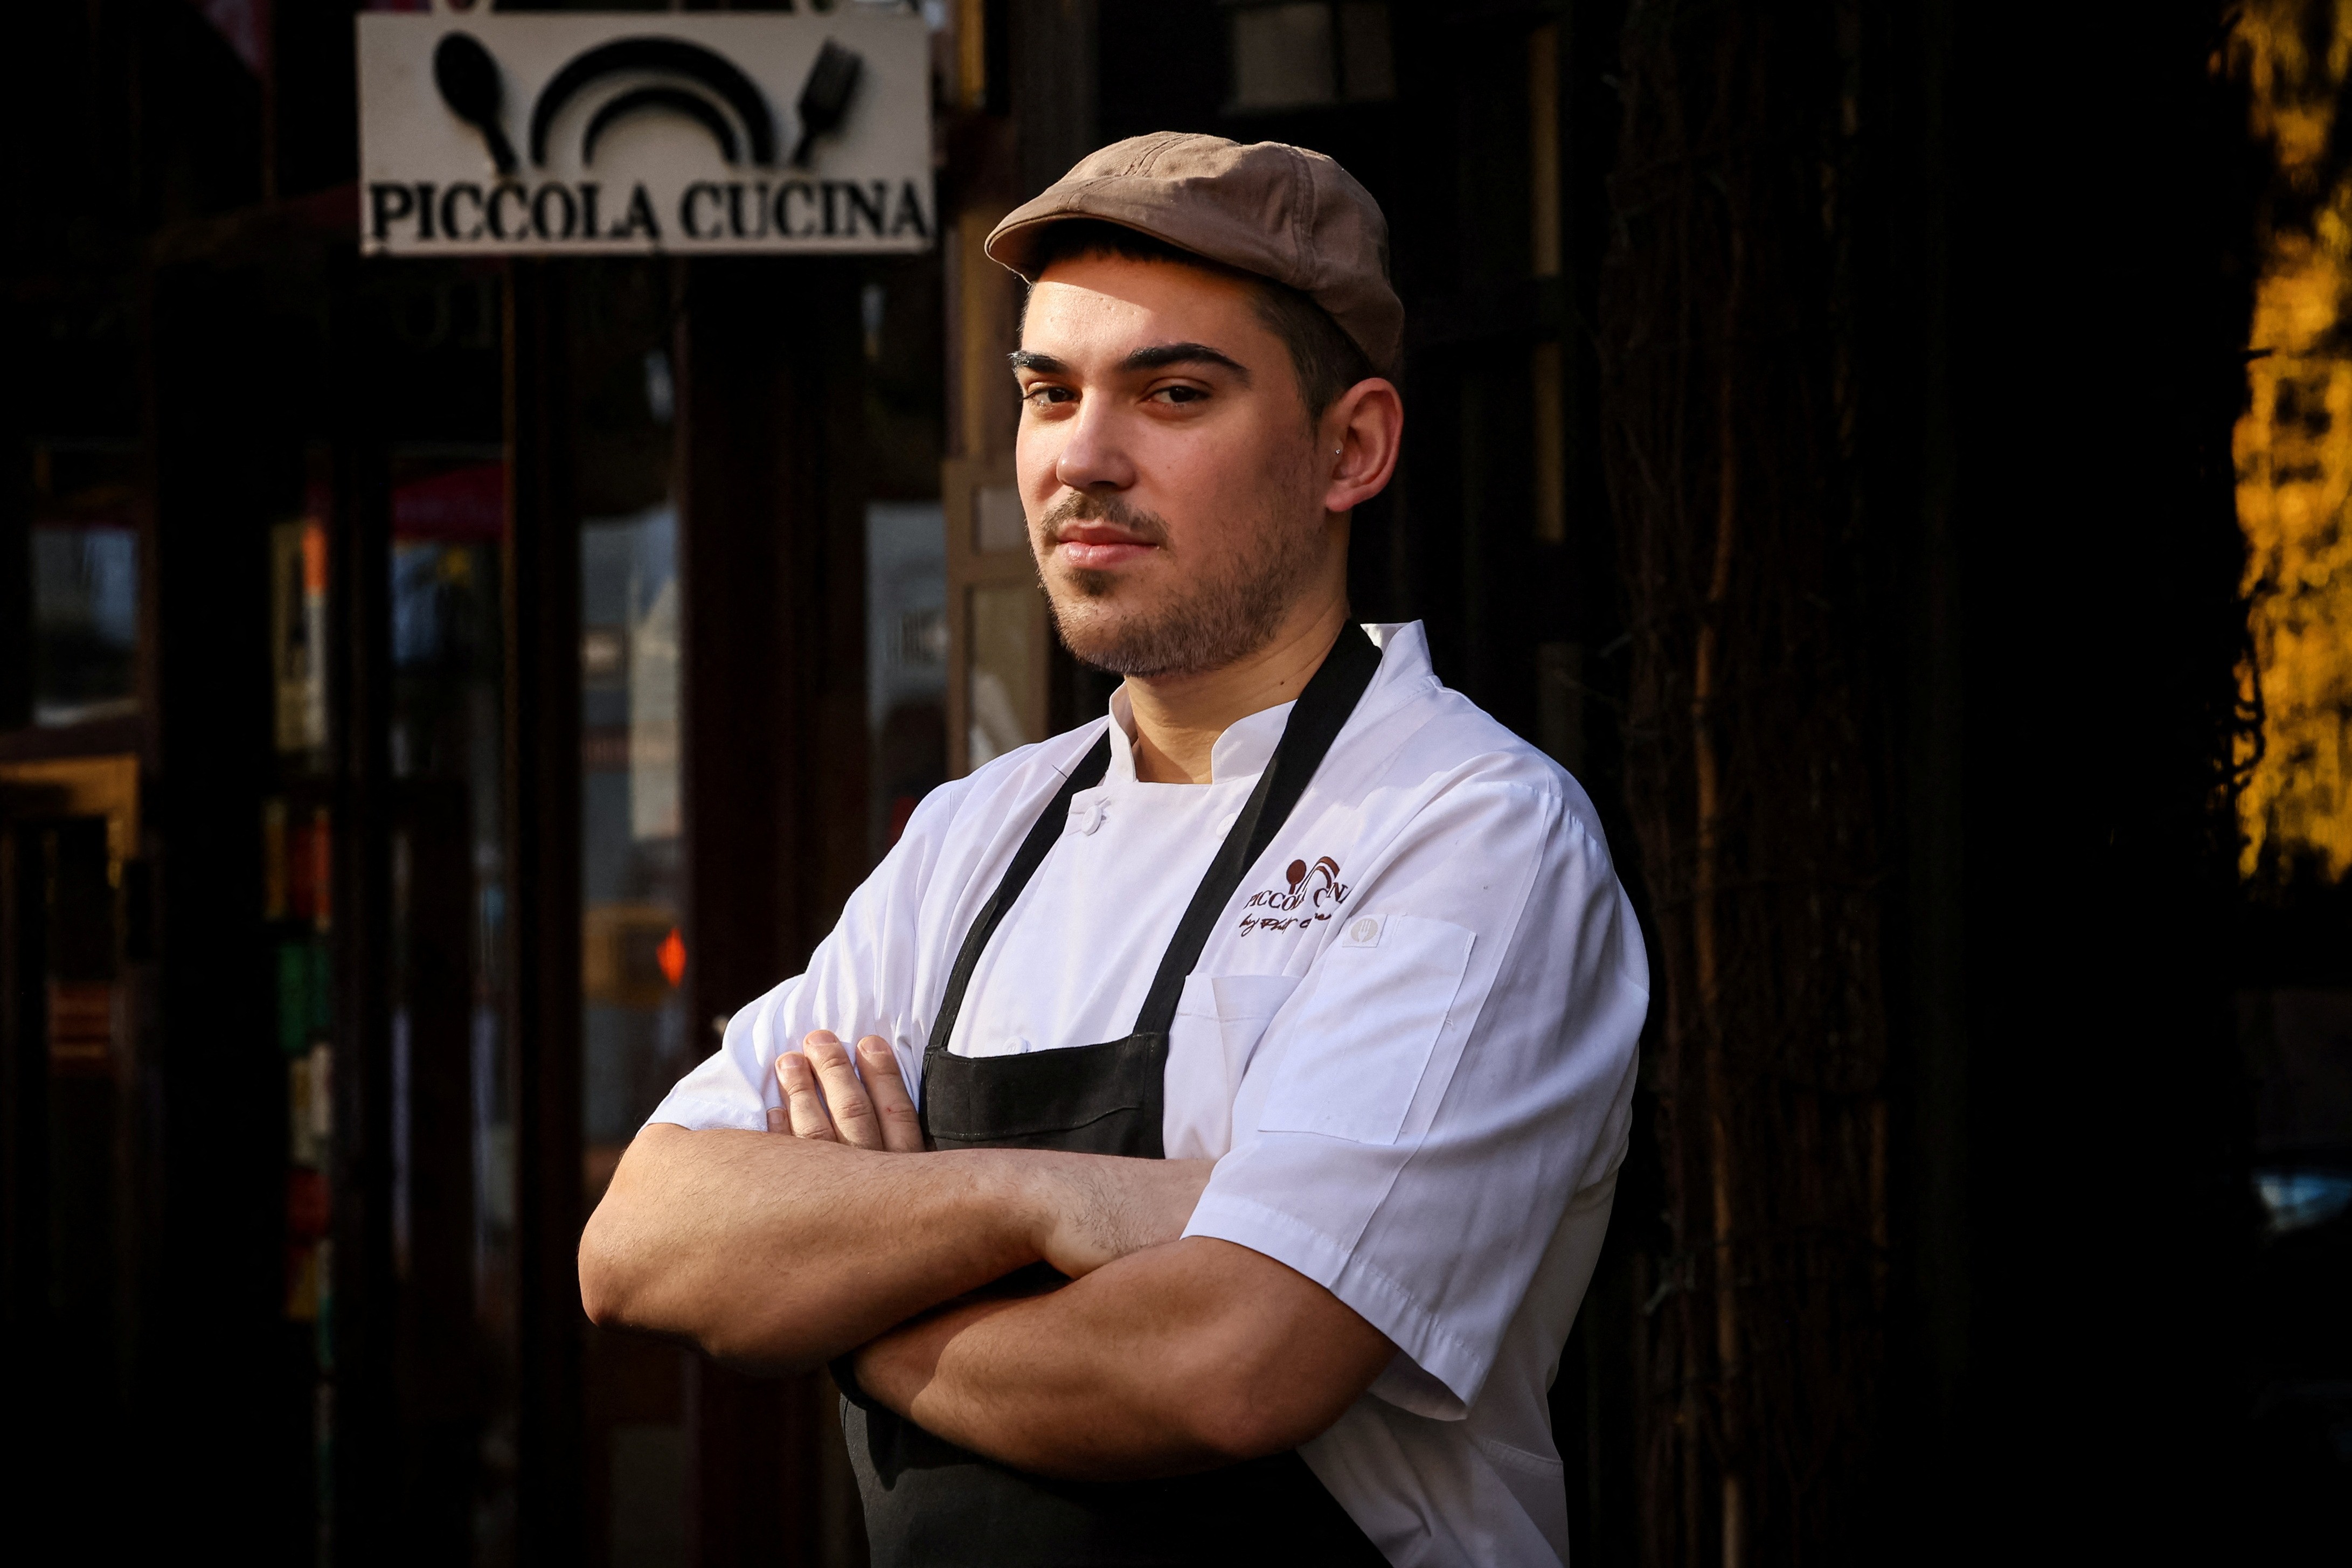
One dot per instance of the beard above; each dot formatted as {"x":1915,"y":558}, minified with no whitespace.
{"x":1220,"y":609}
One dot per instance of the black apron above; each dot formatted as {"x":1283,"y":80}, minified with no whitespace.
{"x":929,"y":1503}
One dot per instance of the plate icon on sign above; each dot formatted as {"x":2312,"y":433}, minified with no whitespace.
{"x":687,"y":62}
{"x":471,"y":85}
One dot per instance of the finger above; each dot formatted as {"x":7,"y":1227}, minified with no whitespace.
{"x":779,"y":1119}
{"x":902,"y":1130}
{"x":844,"y":1096}
{"x":803,"y":1102}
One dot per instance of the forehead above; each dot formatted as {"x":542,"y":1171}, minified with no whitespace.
{"x":1087,"y":305}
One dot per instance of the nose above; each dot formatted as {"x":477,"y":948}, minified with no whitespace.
{"x":1094,"y":456}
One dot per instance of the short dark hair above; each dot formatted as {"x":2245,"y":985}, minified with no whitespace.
{"x":1328,"y":361}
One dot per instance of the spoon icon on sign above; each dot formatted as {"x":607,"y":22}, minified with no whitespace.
{"x":469,"y":83}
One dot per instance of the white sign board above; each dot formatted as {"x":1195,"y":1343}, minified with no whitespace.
{"x":645,"y":132}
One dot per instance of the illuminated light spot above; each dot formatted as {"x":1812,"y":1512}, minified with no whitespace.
{"x":671,"y":956}
{"x":2294,"y":459}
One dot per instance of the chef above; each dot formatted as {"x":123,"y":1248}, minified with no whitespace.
{"x":1193,"y":1141}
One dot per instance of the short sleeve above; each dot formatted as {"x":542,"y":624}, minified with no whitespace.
{"x":1458,"y":1068}
{"x":860,"y":981}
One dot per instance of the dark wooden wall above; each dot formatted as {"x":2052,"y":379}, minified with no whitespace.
{"x":2082,"y":1217}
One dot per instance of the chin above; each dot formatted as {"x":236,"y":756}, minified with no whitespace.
{"x":1095,"y":627}
{"x":1091,"y":629}
{"x":1156,"y":625}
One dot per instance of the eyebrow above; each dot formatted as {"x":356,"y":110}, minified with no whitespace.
{"x":1157,"y":357}
{"x":1166,"y":354}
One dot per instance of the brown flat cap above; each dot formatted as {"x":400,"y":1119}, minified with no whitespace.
{"x":1279,"y":211}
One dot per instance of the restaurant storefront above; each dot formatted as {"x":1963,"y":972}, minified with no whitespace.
{"x":380,"y":841}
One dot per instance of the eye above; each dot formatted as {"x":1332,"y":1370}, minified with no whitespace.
{"x":1181,"y":394}
{"x":1045,"y":392}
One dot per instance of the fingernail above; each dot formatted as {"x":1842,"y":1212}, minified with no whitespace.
{"x":874,"y":1045}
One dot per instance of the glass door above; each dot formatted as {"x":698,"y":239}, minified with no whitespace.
{"x":451,"y":1078}
{"x":635,"y":1039}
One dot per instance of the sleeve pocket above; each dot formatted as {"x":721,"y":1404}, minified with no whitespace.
{"x":1356,"y":1054}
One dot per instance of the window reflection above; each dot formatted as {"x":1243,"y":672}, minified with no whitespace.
{"x":634,"y":1041}
{"x":85,"y":580}
{"x":1007,"y":694}
{"x":633,"y":959}
{"x":906,"y":657}
{"x":453,"y":1085}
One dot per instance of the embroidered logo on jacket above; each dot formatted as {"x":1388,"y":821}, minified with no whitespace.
{"x":1314,"y":894}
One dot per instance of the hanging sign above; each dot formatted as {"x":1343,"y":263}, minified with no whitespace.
{"x":645,"y":132}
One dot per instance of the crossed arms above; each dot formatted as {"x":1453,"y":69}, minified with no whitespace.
{"x":836,"y":1232}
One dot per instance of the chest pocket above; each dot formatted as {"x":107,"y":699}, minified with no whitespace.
{"x":1219,"y":1022}
{"x":1359,"y":1042}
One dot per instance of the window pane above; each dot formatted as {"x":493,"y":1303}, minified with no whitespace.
{"x":1008,"y":633}
{"x":906,"y":657}
{"x":634,"y":962}
{"x":1282,"y":56}
{"x":635,"y":1042}
{"x":453,"y":1084}
{"x":84,"y":621}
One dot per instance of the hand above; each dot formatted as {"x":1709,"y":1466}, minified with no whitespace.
{"x":831,"y":1098}
{"x":1087,"y":1209}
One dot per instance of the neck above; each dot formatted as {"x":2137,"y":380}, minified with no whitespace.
{"x":1178,"y":718}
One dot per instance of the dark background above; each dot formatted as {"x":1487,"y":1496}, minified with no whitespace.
{"x":1944,"y":309}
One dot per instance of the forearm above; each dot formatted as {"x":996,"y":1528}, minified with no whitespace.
{"x":1179,"y":1357}
{"x":778,"y":1253}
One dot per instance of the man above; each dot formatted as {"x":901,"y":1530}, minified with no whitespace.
{"x":1289,"y":1011}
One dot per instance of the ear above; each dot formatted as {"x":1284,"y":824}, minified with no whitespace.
{"x":1361,"y":433}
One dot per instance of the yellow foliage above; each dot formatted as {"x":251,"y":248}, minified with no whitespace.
{"x":2294,"y":452}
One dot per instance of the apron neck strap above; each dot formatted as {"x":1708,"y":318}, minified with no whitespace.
{"x":1315,"y":723}
{"x":1048,"y":827}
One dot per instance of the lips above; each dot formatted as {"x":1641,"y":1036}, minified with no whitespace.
{"x":1100,"y":557}
{"x":1097,"y":547}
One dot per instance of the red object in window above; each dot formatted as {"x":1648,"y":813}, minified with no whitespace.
{"x":301,"y":872}
{"x":461,"y":505}
{"x":671,"y":956}
{"x":310,"y":870}
{"x":323,"y":875}
{"x":306,"y":1203}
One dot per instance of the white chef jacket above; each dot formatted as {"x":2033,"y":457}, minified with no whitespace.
{"x":1409,"y":1045}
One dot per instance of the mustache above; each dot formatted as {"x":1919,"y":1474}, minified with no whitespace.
{"x":1079,"y":505}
